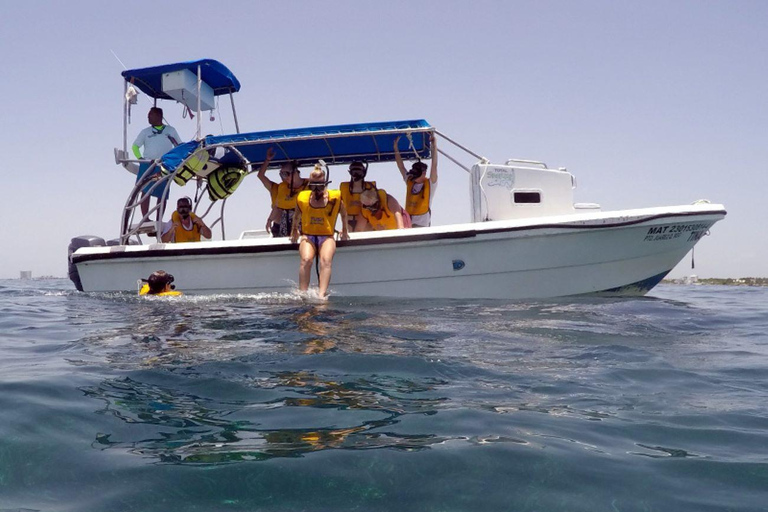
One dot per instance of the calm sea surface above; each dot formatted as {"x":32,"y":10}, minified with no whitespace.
{"x":111,"y":402}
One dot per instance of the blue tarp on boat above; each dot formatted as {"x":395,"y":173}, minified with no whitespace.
{"x":212,"y":72}
{"x":339,"y":144}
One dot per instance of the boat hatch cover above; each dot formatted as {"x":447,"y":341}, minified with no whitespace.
{"x":213,"y":73}
{"x":340,"y":144}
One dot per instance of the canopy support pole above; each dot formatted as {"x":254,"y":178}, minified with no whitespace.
{"x":125,"y":116}
{"x":460,"y":147}
{"x":234,"y":112}
{"x":199,"y":81}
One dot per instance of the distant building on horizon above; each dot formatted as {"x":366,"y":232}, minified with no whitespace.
{"x":25,"y":274}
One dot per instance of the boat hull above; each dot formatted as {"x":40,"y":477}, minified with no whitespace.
{"x":624,"y":253}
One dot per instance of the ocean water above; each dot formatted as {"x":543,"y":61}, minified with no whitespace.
{"x":111,"y":402}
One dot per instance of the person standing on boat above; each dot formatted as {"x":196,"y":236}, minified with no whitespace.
{"x":185,"y":226}
{"x":315,"y":217}
{"x":283,"y":194}
{"x":380,"y":211}
{"x":157,"y":139}
{"x":351,"y":190}
{"x":420,"y":189}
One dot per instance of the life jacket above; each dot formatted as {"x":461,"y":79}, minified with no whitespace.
{"x":224,"y":181}
{"x":417,"y":204}
{"x":145,"y":291}
{"x":199,"y":164}
{"x":352,"y":201}
{"x":185,"y":235}
{"x":387,"y":220}
{"x":318,"y":221}
{"x":286,"y":197}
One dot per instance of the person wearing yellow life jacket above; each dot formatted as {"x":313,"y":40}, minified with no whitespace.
{"x":283,"y":194}
{"x":419,"y":189}
{"x":317,"y":209}
{"x":351,"y":190}
{"x":380,"y":211}
{"x":159,"y":283}
{"x":185,"y":226}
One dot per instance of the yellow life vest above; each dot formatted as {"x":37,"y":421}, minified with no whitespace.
{"x":286,"y":197}
{"x":417,"y":204}
{"x":273,"y":192}
{"x":185,"y":235}
{"x":387,"y":220}
{"x":224,"y":181}
{"x":318,"y":221}
{"x":145,"y":291}
{"x":352,"y":201}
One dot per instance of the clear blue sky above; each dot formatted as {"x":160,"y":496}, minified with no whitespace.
{"x":648,"y":103}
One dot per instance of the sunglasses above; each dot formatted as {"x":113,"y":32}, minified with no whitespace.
{"x":316,"y":186}
{"x":183,"y":208}
{"x":372,"y":207}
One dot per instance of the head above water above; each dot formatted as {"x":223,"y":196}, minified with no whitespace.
{"x":155,"y":116}
{"x":159,"y":282}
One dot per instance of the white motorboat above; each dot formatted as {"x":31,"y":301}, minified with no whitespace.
{"x":527,"y":238}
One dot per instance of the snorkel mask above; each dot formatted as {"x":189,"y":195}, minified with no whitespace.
{"x":417,"y":170}
{"x":358,"y":170}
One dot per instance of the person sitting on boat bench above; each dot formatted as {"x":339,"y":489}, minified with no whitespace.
{"x":283,"y":194}
{"x":351,"y":190}
{"x":317,"y":209}
{"x":380,"y":211}
{"x":185,"y":226}
{"x":157,"y":139}
{"x":420,"y":189}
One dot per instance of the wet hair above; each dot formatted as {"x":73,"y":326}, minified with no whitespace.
{"x":157,"y":281}
{"x":186,"y":200}
{"x":419,"y":167}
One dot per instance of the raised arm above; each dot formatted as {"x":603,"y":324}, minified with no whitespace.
{"x":433,"y":169}
{"x":262,"y":174}
{"x":399,"y":159}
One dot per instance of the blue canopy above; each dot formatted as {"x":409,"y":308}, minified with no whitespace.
{"x":340,"y":144}
{"x":213,"y":73}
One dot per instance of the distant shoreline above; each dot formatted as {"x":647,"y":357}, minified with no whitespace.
{"x":728,"y":281}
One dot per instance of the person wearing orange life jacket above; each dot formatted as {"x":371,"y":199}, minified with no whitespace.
{"x":283,"y":194}
{"x":185,"y":226}
{"x":351,"y":190}
{"x":315,"y":219}
{"x":420,"y":189}
{"x":380,"y":211}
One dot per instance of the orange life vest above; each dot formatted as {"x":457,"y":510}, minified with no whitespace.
{"x":319,"y":221}
{"x":417,"y":204}
{"x":352,"y":201}
{"x":387,"y":220}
